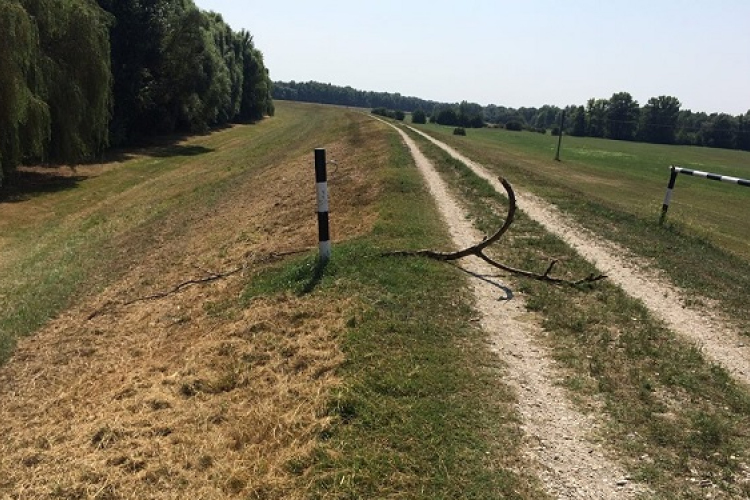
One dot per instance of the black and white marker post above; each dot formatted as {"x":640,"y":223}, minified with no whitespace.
{"x":321,"y":181}
{"x":668,"y":196}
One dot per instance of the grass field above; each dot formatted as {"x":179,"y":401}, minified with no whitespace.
{"x":365,"y":378}
{"x":625,"y":176}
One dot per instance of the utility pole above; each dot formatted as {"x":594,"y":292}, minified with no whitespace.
{"x":559,"y":137}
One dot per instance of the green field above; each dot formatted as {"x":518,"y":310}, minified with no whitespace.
{"x":628,"y":177}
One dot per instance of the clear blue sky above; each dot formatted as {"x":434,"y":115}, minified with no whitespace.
{"x":513,"y":53}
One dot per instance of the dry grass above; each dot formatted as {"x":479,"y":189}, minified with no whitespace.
{"x":189,"y":395}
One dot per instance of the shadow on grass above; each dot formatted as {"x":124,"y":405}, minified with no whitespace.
{"x":24,"y":184}
{"x":318,"y":272}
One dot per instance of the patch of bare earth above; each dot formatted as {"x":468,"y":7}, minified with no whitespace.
{"x":705,"y":326}
{"x":189,"y":395}
{"x":560,"y":441}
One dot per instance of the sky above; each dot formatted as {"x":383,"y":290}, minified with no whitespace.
{"x":509,"y":52}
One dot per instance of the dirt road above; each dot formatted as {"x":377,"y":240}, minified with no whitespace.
{"x":559,"y":440}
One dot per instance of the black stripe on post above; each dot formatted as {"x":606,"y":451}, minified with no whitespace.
{"x":321,"y":184}
{"x":743,"y":182}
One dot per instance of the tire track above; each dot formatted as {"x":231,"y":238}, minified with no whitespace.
{"x":719,"y":341}
{"x":557,"y":437}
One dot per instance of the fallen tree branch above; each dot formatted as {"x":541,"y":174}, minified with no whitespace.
{"x":212,"y":276}
{"x":478,"y":251}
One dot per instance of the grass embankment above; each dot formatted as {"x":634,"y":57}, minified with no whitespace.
{"x":679,"y":423}
{"x":224,"y":391}
{"x":71,"y":233}
{"x":616,"y":188}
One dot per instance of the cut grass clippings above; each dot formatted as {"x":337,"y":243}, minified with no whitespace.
{"x":61,"y":245}
{"x":678,"y":422}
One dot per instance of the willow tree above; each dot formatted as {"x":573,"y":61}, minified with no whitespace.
{"x":24,"y":115}
{"x":75,"y":63}
{"x":256,"y":87}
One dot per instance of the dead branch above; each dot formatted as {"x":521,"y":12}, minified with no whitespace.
{"x":478,"y":251}
{"x":212,"y":276}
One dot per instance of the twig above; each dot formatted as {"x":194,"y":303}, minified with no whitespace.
{"x":212,"y":276}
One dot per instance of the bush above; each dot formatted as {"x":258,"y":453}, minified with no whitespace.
{"x":380,"y":112}
{"x":514,"y":126}
{"x":419,"y":117}
{"x":459,"y":131}
{"x":555,"y":131}
{"x":399,"y":115}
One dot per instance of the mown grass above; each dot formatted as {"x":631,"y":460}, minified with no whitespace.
{"x":674,"y":418}
{"x":59,"y":245}
{"x":703,"y":247}
{"x":421,"y":413}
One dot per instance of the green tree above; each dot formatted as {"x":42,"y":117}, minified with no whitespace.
{"x":419,"y":116}
{"x":659,"y":120}
{"x":75,"y":62}
{"x":719,"y":131}
{"x":24,"y":115}
{"x":596,"y":116}
{"x":622,"y":117}
{"x":743,"y":132}
{"x":256,"y":87}
{"x":578,"y":120}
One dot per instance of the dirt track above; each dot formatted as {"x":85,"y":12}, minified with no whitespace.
{"x":559,"y":439}
{"x":705,"y":327}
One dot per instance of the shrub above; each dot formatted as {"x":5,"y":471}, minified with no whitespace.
{"x":555,"y":131}
{"x":380,"y":112}
{"x":459,"y":131}
{"x":514,"y":125}
{"x":399,"y":115}
{"x":418,"y":116}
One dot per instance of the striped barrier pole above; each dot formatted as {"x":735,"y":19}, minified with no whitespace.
{"x":321,"y":182}
{"x":695,"y":173}
{"x":668,"y":196}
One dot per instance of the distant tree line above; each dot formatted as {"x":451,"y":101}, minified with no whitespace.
{"x":77,"y":76}
{"x":661,"y":120}
{"x":325,"y":93}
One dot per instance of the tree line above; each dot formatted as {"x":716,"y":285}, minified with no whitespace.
{"x":661,"y":120}
{"x":325,"y":93}
{"x":79,"y":76}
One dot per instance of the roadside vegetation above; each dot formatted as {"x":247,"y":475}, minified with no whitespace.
{"x":616,"y":188}
{"x":678,"y":422}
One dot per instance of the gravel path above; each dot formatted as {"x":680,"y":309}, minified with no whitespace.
{"x":717,"y":339}
{"x":558,"y":437}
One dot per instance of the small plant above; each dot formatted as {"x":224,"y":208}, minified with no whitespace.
{"x":459,"y":131}
{"x":555,"y":131}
